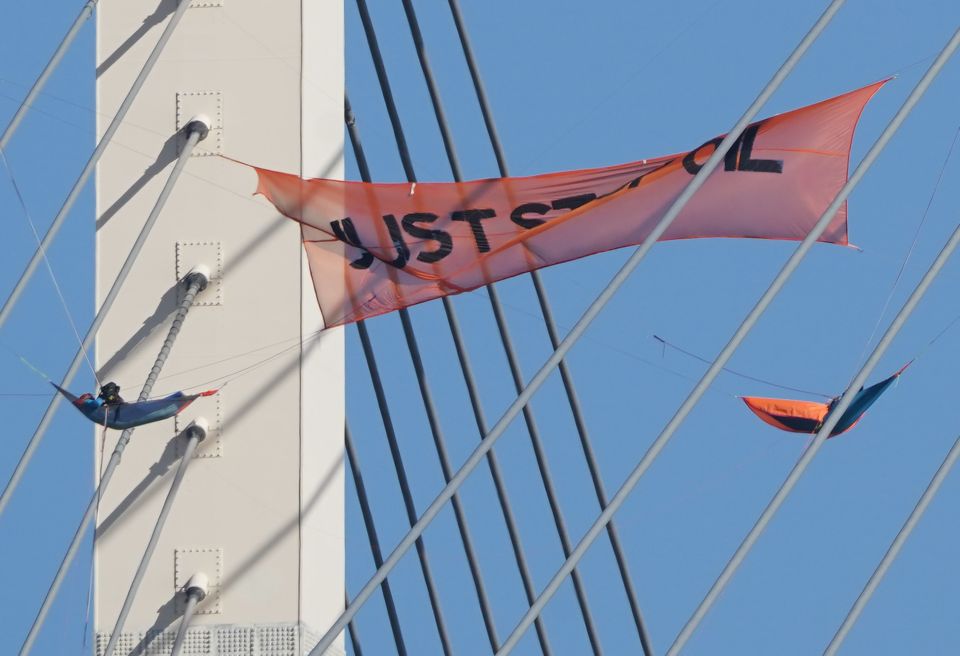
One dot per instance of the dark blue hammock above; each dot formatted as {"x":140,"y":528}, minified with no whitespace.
{"x":120,"y":416}
{"x":808,"y":416}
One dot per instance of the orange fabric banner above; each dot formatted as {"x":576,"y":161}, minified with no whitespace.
{"x":378,"y":247}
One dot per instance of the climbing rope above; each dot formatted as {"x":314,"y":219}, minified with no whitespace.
{"x":46,"y":261}
{"x":913,"y":245}
{"x":739,"y":374}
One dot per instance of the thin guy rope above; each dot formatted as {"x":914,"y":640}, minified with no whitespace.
{"x":913,"y":245}
{"x":859,"y":379}
{"x":46,"y":261}
{"x":298,"y":342}
{"x":739,"y":374}
{"x":585,"y":320}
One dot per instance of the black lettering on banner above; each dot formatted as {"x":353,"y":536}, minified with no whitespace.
{"x":348,"y":235}
{"x":690,"y":159}
{"x":738,"y":157}
{"x":403,"y":252}
{"x":730,"y":159}
{"x":410,"y":222}
{"x":573,"y":202}
{"x":747,"y":163}
{"x":567,"y":203}
{"x":474,"y":217}
{"x":517,"y":215}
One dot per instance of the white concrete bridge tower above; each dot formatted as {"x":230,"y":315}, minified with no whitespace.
{"x":260,"y":511}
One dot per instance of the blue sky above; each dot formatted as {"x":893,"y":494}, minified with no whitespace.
{"x":574,"y":85}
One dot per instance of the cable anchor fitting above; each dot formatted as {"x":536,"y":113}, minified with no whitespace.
{"x":197,"y":587}
{"x":199,"y":124}
{"x":198,"y":428}
{"x":199,"y":275}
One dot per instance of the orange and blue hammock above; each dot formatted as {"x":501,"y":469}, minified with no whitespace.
{"x":121,"y":416}
{"x":808,"y":416}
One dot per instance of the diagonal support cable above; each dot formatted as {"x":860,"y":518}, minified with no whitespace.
{"x":447,"y":470}
{"x":196,"y":591}
{"x":576,"y":332}
{"x":188,"y":612}
{"x":89,"y":167}
{"x":506,"y":340}
{"x":512,"y":360}
{"x":545,"y":475}
{"x":193,"y":434}
{"x":861,"y":377}
{"x":411,"y":340}
{"x":789,"y":267}
{"x":472,"y":392}
{"x":374,"y":540}
{"x":196,"y":131}
{"x":404,"y":484}
{"x":824,"y":433}
{"x":47,"y":71}
{"x":493,"y":464}
{"x":855,"y":385}
{"x":195,"y":282}
{"x":352,"y":629}
{"x":552,"y":332}
{"x":894,"y":550}
{"x":55,"y":227}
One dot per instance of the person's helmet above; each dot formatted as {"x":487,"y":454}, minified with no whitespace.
{"x":109,"y":390}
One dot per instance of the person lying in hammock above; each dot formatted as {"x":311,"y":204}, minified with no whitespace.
{"x":110,"y":410}
{"x":110,"y":394}
{"x":808,"y":416}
